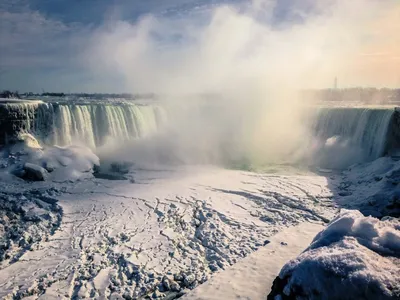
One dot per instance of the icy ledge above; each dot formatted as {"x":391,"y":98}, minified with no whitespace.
{"x":355,"y":257}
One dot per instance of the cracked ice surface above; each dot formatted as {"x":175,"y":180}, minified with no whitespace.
{"x":160,"y":236}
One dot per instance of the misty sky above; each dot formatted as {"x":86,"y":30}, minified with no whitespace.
{"x":46,"y":44}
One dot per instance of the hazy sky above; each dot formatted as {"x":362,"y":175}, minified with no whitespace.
{"x":87,"y":45}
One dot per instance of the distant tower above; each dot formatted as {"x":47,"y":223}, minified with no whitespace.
{"x":335,"y":84}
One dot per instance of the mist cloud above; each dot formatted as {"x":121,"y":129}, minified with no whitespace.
{"x":251,"y":65}
{"x":231,"y":48}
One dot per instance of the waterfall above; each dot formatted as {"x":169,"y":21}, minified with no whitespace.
{"x":64,"y":126}
{"x":83,"y":125}
{"x":338,"y":136}
{"x":358,"y":132}
{"x":94,"y":123}
{"x":90,"y":124}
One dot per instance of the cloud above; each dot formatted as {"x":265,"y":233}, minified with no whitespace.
{"x":43,"y":40}
{"x":235,"y":47}
{"x":30,"y":39}
{"x":150,"y":45}
{"x":33,"y":46}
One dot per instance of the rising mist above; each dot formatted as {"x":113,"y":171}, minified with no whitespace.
{"x":229,"y":77}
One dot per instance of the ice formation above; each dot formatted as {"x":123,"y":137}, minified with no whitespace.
{"x":25,"y":158}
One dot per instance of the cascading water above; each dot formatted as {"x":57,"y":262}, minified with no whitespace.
{"x":351,"y":134}
{"x":90,"y":124}
{"x":339,"y":137}
{"x":94,"y":123}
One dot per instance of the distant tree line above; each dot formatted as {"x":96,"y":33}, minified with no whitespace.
{"x":114,"y":95}
{"x":53,"y":94}
{"x":362,"y":95}
{"x":357,"y":94}
{"x":9,"y":94}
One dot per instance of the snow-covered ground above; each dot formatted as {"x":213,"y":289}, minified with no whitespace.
{"x":252,"y":277}
{"x":159,"y":236}
{"x":160,"y":232}
{"x":373,"y":188}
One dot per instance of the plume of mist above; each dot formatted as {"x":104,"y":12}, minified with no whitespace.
{"x":230,"y":76}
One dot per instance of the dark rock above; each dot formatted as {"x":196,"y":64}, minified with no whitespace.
{"x":110,"y":176}
{"x":345,"y":193}
{"x":121,"y":167}
{"x":34,"y":172}
{"x":277,"y":289}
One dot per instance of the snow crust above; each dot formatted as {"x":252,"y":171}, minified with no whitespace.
{"x":355,"y":257}
{"x":252,"y":277}
{"x":161,"y":236}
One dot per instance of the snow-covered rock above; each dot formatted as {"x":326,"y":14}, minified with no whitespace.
{"x":25,"y":141}
{"x":69,"y":163}
{"x":26,"y":159}
{"x":355,"y":257}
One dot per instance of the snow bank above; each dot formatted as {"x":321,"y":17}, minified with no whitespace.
{"x":26,"y":159}
{"x":355,"y":257}
{"x":373,"y":188}
{"x":69,"y":163}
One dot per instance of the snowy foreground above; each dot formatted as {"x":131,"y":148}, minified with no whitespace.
{"x":353,"y":258}
{"x":163,"y":231}
{"x":253,"y":276}
{"x":168,"y":231}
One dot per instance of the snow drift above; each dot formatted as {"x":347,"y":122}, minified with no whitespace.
{"x":355,"y":257}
